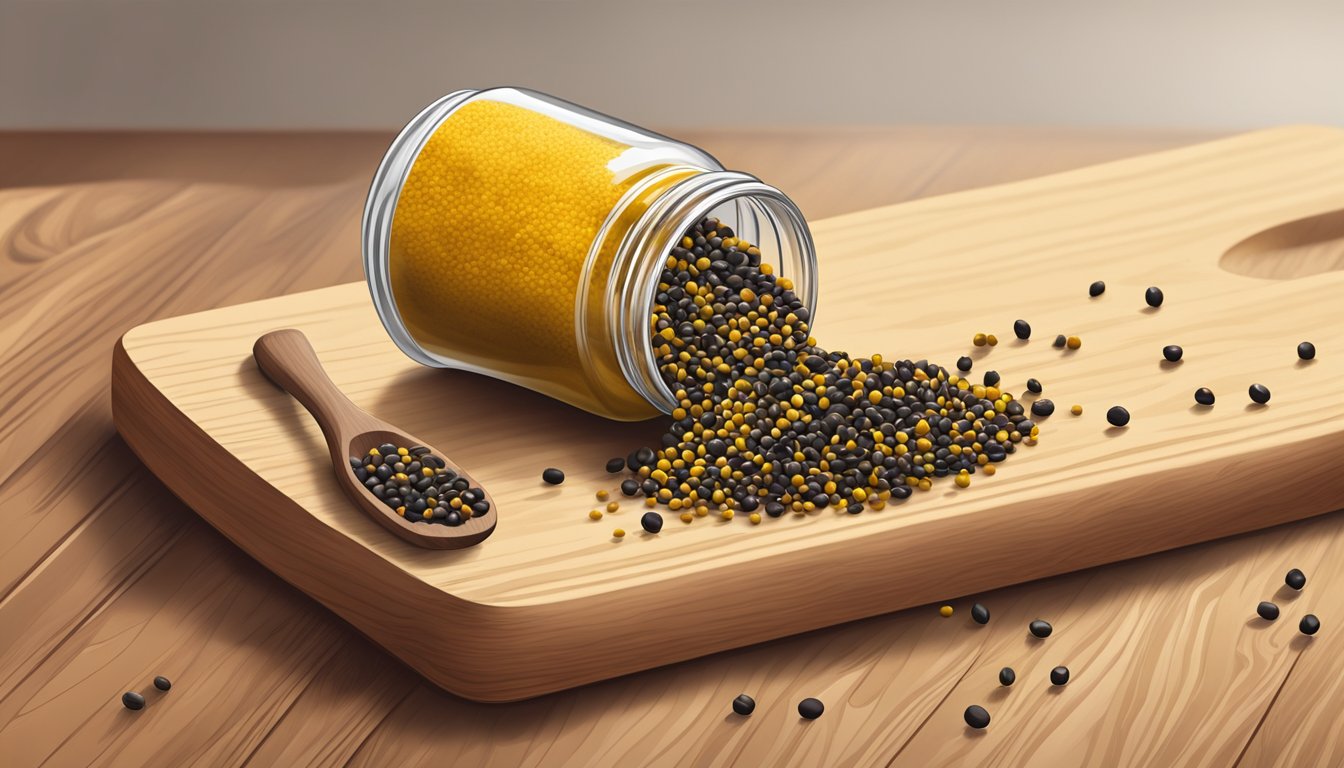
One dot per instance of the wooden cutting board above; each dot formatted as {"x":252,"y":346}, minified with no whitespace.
{"x":553,"y":601}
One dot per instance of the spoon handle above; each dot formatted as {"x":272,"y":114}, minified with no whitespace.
{"x":287,"y":358}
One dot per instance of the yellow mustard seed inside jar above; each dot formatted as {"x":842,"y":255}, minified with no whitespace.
{"x":519,"y":236}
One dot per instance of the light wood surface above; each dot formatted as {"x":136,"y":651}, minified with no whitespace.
{"x":95,"y":233}
{"x":562,"y":603}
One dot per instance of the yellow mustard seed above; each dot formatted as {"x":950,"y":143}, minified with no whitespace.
{"x":613,"y":506}
{"x":596,"y":514}
{"x":980,"y":340}
{"x":726,"y":514}
{"x":992,"y":340}
{"x":618,"y":533}
{"x":945,"y":611}
{"x":687,"y":517}
{"x":1076,"y":410}
{"x":602,"y":495}
{"x":963,"y":479}
{"x":1073,"y":342}
{"x":755,"y":518}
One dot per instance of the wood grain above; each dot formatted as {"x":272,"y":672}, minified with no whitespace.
{"x":1085,"y":496}
{"x":60,"y":193}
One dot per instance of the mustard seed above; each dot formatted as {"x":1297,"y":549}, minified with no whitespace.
{"x":652,"y":522}
{"x":132,"y":700}
{"x":1040,"y":628}
{"x":1022,"y":329}
{"x":964,"y":363}
{"x":1267,"y":610}
{"x":1259,"y":393}
{"x":976,"y":717}
{"x":1073,"y":342}
{"x":1118,"y":416}
{"x":552,"y":476}
{"x":1096,"y":289}
{"x":992,"y":378}
{"x":1204,"y":396}
{"x":616,"y":465}
{"x":1295,"y":579}
{"x":1060,"y":341}
{"x":1153,"y":296}
{"x":162,"y":683}
{"x":1059,"y":676}
{"x":744,"y":705}
{"x":1309,"y":625}
{"x":1172,"y":353}
{"x":811,"y":709}
{"x":1042,"y":408}
{"x":1034,"y":386}
{"x":1306,"y":351}
{"x":979,"y":614}
{"x":1007,"y":676}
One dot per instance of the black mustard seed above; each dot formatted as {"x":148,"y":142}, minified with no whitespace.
{"x":1204,"y":396}
{"x":744,"y":705}
{"x":1295,"y":579}
{"x":1007,"y":676}
{"x":1267,"y":610}
{"x":1042,"y":408}
{"x":1306,"y":351}
{"x":132,"y":700}
{"x":1096,"y":289}
{"x":1034,"y":386}
{"x":162,"y":683}
{"x":811,"y":708}
{"x":552,"y":476}
{"x":979,"y":614}
{"x":652,"y":522}
{"x":616,"y":465}
{"x":1172,"y":353}
{"x":1153,"y":296}
{"x":1040,"y":628}
{"x":976,"y":716}
{"x":1259,"y":393}
{"x":1059,"y":675}
{"x":1118,"y":416}
{"x":1309,"y":625}
{"x":1022,"y":328}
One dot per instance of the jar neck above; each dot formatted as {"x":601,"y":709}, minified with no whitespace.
{"x":757,"y":212}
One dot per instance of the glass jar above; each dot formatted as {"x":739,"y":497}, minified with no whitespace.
{"x":520,"y":236}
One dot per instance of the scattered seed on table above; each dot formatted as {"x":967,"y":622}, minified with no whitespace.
{"x":613,"y":506}
{"x":616,"y":465}
{"x":1060,"y":341}
{"x":1267,"y":610}
{"x":1153,"y":296}
{"x":726,"y":514}
{"x":992,"y":378}
{"x":755,"y":517}
{"x":652,"y":522}
{"x":992,"y":340}
{"x":1034,"y":386}
{"x":979,"y":339}
{"x":1204,"y":396}
{"x":976,"y":716}
{"x":619,"y":533}
{"x":1007,"y":676}
{"x":1295,"y":579}
{"x":1073,"y":342}
{"x":1096,"y":289}
{"x":744,"y":705}
{"x":162,"y":683}
{"x":811,"y":708}
{"x":630,"y":487}
{"x":1306,"y":351}
{"x":553,"y":476}
{"x":132,"y":700}
{"x":979,"y":614}
{"x":602,"y":495}
{"x":1022,"y":328}
{"x":964,"y":363}
{"x":945,"y":611}
{"x":596,"y":514}
{"x":1118,"y":416}
{"x":1059,"y":675}
{"x":1309,"y":625}
{"x":1076,"y":410}
{"x":1259,"y":393}
{"x":963,"y":479}
{"x":1040,"y":628}
{"x":1172,"y":353}
{"x":1042,"y":408}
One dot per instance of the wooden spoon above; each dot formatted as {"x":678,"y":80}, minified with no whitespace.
{"x":287,"y":359}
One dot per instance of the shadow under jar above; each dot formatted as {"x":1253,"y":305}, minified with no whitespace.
{"x":516,"y":235}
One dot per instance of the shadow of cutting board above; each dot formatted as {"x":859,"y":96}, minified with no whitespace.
{"x":552,"y":601}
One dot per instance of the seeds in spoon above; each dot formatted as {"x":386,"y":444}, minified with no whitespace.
{"x":419,"y":486}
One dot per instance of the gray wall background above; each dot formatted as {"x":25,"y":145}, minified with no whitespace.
{"x":1204,"y":64}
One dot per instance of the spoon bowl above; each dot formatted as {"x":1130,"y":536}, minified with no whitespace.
{"x":288,"y":360}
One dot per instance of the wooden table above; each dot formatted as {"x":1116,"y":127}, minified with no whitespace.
{"x":106,"y":580}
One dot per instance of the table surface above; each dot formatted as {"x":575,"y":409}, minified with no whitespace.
{"x":107,"y":580}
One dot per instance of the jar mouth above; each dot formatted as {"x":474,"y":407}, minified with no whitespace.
{"x":757,"y":212}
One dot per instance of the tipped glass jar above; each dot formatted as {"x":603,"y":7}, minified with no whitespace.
{"x":520,"y":236}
